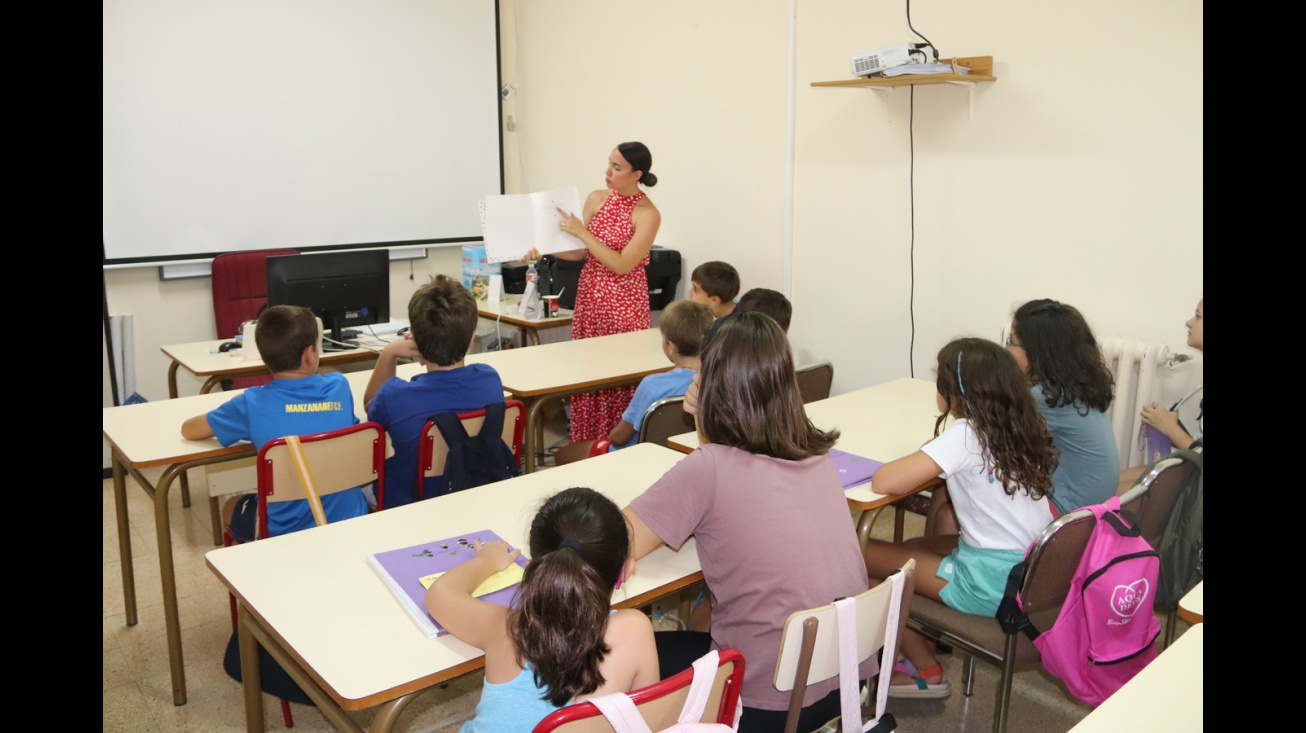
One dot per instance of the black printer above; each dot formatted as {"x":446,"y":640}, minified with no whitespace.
{"x":663,"y":273}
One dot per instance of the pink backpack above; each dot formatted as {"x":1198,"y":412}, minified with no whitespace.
{"x":1106,"y":631}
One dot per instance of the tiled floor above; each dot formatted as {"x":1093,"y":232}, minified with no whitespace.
{"x":137,"y":689}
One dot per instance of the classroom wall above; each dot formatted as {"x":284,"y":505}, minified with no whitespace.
{"x":1072,"y":180}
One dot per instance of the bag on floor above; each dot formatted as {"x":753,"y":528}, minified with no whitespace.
{"x":474,"y":460}
{"x":1106,"y":631}
{"x":624,"y":717}
{"x":1181,"y":545}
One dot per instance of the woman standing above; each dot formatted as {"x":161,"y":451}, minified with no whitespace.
{"x":612,"y":295}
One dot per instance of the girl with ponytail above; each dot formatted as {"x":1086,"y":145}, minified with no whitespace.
{"x":562,"y":643}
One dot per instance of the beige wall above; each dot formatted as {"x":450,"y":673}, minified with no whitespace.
{"x":1073,"y":180}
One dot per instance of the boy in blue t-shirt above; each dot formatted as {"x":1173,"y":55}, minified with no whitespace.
{"x":298,"y":401}
{"x":442,"y":320}
{"x":683,"y":324}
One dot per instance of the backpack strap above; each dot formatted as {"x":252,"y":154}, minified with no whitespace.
{"x":621,"y":712}
{"x":494,"y":415}
{"x":305,"y":478}
{"x":700,"y":689}
{"x":454,"y":434}
{"x":1010,"y":615}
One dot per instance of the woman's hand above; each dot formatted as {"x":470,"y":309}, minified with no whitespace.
{"x":532,"y":256}
{"x":571,"y":224}
{"x":497,"y":552}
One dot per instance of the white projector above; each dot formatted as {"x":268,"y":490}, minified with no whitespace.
{"x":873,"y":62}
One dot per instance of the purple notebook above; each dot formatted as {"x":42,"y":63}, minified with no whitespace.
{"x":1157,"y":445}
{"x":402,"y":569}
{"x":853,"y":469}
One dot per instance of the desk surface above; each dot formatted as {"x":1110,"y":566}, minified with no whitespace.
{"x":573,"y":365}
{"x":1190,"y":606}
{"x":1165,"y":696}
{"x":314,"y":591}
{"x":197,"y":359}
{"x":884,"y":422}
{"x":493,"y":309}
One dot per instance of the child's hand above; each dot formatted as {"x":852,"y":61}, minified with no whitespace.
{"x":497,"y":552}
{"x":404,"y":348}
{"x":1156,"y":416}
{"x":571,"y":224}
{"x":691,"y":397}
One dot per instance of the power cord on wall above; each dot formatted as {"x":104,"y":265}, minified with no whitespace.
{"x":911,"y":188}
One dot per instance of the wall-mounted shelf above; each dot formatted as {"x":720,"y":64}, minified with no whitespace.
{"x":981,"y":69}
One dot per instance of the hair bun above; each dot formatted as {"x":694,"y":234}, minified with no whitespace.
{"x":648,"y":179}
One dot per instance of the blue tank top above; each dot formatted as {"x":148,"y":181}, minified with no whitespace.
{"x":515,"y":706}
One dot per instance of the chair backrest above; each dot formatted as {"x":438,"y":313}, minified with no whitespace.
{"x":661,"y":702}
{"x":1053,"y":559}
{"x":1153,"y":498}
{"x":432,"y":450}
{"x":809,"y":645}
{"x":814,"y":381}
{"x":663,"y":419}
{"x":338,"y":459}
{"x":240,"y":287}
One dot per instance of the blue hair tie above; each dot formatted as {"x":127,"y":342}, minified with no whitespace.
{"x":573,"y":544}
{"x":960,"y":386}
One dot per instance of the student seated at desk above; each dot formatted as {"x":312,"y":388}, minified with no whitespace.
{"x":289,"y":340}
{"x":758,"y":300}
{"x":715,"y":285}
{"x":683,"y":325}
{"x":767,"y":508}
{"x":998,"y":459}
{"x":563,"y":642}
{"x":442,"y":317}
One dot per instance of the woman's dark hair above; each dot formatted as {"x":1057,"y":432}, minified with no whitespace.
{"x":982,"y":382}
{"x":1064,"y":359}
{"x":640,"y":159}
{"x":749,"y":395}
{"x":579,"y":541}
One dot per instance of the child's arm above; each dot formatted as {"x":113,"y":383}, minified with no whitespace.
{"x":899,"y":477}
{"x":1156,"y":416}
{"x":621,"y":434}
{"x":386,"y":363}
{"x":450,"y":599}
{"x":197,"y":428}
{"x":642,"y":539}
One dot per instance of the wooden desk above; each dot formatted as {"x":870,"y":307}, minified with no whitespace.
{"x":550,"y":371}
{"x":148,"y":435}
{"x":196,"y":359}
{"x":311,"y":599}
{"x":493,"y":310}
{"x":1165,"y":696}
{"x":884,"y":422}
{"x":1190,"y":606}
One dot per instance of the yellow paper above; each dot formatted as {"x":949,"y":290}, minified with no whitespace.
{"x":507,"y":577}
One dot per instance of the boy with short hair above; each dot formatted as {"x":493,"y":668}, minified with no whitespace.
{"x":683,"y":324}
{"x":442,"y":323}
{"x":715,"y":284}
{"x":298,"y":401}
{"x":761,"y":300}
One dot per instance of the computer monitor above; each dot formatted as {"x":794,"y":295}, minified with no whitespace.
{"x":342,"y":288}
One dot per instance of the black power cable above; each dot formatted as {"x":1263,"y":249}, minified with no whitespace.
{"x":911,"y":187}
{"x":923,"y":38}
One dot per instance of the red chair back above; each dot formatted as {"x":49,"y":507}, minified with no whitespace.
{"x":340,"y":460}
{"x":240,"y":290}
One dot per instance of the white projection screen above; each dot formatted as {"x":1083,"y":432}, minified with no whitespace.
{"x":252,"y":124}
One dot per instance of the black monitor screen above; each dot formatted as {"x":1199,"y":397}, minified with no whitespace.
{"x":342,"y":288}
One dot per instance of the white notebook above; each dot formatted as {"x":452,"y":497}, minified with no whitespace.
{"x":514,"y":223}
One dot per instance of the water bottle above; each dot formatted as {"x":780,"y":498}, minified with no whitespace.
{"x":532,"y":276}
{"x":530,"y":305}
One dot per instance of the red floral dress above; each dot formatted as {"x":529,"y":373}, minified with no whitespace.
{"x":608,"y":303}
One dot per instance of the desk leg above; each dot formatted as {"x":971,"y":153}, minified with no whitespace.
{"x":533,"y":433}
{"x":534,"y":335}
{"x":899,"y":522}
{"x":167,"y":573}
{"x":124,"y":538}
{"x":172,"y":379}
{"x":210,"y":383}
{"x":388,"y":714}
{"x":249,"y":673}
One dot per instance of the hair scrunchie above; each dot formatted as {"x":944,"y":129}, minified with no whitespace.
{"x":573,"y":544}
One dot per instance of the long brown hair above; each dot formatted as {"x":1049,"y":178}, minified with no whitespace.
{"x":1063,"y":355}
{"x":981,"y":381}
{"x":748,"y":397}
{"x":579,"y":541}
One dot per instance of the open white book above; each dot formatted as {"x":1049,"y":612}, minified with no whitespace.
{"x":514,"y":223}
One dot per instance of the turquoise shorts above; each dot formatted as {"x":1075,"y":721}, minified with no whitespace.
{"x":977,"y":578}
